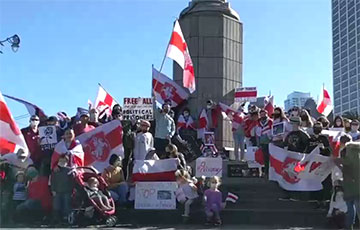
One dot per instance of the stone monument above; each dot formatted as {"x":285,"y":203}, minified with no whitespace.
{"x":213,"y":32}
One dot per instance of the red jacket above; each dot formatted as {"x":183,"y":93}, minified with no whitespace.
{"x":249,"y":125}
{"x":31,"y":140}
{"x":39,"y":190}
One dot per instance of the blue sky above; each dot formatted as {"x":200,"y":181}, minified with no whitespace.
{"x":67,"y":47}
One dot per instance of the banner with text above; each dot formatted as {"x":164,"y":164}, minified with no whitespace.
{"x":155,"y":195}
{"x":208,"y":166}
{"x":138,"y":108}
{"x":245,"y":94}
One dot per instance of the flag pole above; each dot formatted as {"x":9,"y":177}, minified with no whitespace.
{"x":108,"y":93}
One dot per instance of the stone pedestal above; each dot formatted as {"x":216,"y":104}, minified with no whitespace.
{"x":213,"y":32}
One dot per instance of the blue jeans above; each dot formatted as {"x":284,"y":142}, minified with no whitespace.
{"x":353,"y":207}
{"x":239,"y":139}
{"x":119,"y":193}
{"x":62,"y":204}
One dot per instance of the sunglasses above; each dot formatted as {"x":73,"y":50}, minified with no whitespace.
{"x":34,"y":119}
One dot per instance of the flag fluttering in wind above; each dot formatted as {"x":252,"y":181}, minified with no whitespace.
{"x":324,"y":105}
{"x":104,"y":102}
{"x":166,"y":89}
{"x":269,"y":105}
{"x":31,"y":108}
{"x":11,"y":138}
{"x":179,"y":52}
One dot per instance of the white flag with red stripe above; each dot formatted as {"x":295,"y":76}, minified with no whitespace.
{"x":269,"y":105}
{"x":231,"y":197}
{"x":298,"y":171}
{"x":324,"y":105}
{"x":100,"y":143}
{"x":155,"y":170}
{"x":31,"y":108}
{"x":182,"y":123}
{"x":244,"y":94}
{"x":75,"y":153}
{"x":104,"y":102}
{"x":334,"y":139}
{"x":166,"y":89}
{"x":237,"y":118}
{"x":179,"y":52}
{"x":203,"y":124}
{"x":11,"y":138}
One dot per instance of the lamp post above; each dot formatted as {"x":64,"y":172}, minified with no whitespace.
{"x":14,"y":41}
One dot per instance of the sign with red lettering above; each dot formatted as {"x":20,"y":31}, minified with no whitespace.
{"x":138,"y":108}
{"x":208,"y":166}
{"x":155,"y":195}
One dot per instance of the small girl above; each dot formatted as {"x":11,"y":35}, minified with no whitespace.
{"x":338,"y":208}
{"x":19,"y":190}
{"x":213,"y":199}
{"x":98,"y":195}
{"x":187,"y":192}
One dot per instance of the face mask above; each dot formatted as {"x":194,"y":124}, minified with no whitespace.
{"x":208,"y":106}
{"x":317,"y":130}
{"x":186,"y":114}
{"x":338,"y":123}
{"x":340,"y":194}
{"x":62,"y":164}
{"x":354,"y":128}
{"x":34,"y":123}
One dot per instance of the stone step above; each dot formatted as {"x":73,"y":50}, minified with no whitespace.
{"x":256,"y":203}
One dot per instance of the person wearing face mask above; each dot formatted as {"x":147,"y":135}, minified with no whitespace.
{"x":297,"y":140}
{"x":164,"y":129}
{"x":61,"y":188}
{"x":144,"y":141}
{"x":279,"y":117}
{"x":213,"y":113}
{"x":31,"y":135}
{"x":324,"y":121}
{"x":94,"y":118}
{"x":306,"y":121}
{"x":354,"y":133}
{"x":250,"y":124}
{"x":338,"y":208}
{"x":83,"y":126}
{"x":238,"y":133}
{"x":19,"y":160}
{"x":114,"y":177}
{"x":116,"y":112}
{"x":347,"y":125}
{"x":338,"y":122}
{"x":263,"y":131}
{"x":319,"y":140}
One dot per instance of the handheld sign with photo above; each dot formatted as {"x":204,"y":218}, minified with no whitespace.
{"x":155,"y":195}
{"x":209,"y":138}
{"x":48,"y":137}
{"x":138,"y":108}
{"x":278,"y":129}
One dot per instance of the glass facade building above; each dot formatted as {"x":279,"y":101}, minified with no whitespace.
{"x":346,"y":55}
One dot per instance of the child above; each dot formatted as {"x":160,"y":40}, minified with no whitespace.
{"x":213,"y":199}
{"x":338,"y":207}
{"x":19,"y":190}
{"x":61,"y":188}
{"x":98,"y":195}
{"x":188,"y":190}
{"x":144,"y":141}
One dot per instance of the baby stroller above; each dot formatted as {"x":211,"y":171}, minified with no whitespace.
{"x":86,"y":207}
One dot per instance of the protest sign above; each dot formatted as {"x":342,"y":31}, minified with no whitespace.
{"x":48,"y":137}
{"x":138,"y":108}
{"x":278,"y":129}
{"x":155,"y":195}
{"x":208,"y":166}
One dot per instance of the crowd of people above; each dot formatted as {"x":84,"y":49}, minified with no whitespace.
{"x":29,"y":188}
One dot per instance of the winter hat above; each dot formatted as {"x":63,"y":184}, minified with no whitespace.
{"x":32,"y":173}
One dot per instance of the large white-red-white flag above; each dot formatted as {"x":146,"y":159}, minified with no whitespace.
{"x":269,"y":105}
{"x":236,"y":117}
{"x":179,"y":52}
{"x":74,"y":151}
{"x":104,"y":102}
{"x":155,"y":170}
{"x":11,"y":138}
{"x":100,"y":143}
{"x":324,"y":105}
{"x":31,"y":108}
{"x":298,"y":171}
{"x":166,"y":89}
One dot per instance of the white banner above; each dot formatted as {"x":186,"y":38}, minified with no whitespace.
{"x":208,"y":166}
{"x":138,"y":108}
{"x":48,"y":137}
{"x":155,"y":195}
{"x":250,"y":157}
{"x":245,"y":94}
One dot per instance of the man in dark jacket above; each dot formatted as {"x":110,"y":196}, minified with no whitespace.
{"x":318,"y":139}
{"x":297,"y":140}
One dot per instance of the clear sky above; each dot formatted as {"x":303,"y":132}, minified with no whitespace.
{"x":67,"y":47}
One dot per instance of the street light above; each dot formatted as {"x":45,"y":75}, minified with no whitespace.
{"x":14,"y":41}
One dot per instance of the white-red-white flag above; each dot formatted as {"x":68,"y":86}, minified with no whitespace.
{"x":11,"y":138}
{"x":166,"y":89}
{"x":155,"y":170}
{"x":324,"y":105}
{"x":182,"y":123}
{"x":298,"y":171}
{"x":231,"y":197}
{"x":269,"y":105}
{"x":31,"y":108}
{"x":74,"y":151}
{"x":179,"y":52}
{"x":104,"y":101}
{"x":244,"y":94}
{"x":203,"y":124}
{"x":236,"y":117}
{"x":100,"y":143}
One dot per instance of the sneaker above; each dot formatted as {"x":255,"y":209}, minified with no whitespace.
{"x":217,"y":223}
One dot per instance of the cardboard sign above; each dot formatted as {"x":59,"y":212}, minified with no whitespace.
{"x":244,"y":94}
{"x":155,"y":195}
{"x":208,"y":166}
{"x":250,"y":157}
{"x":138,"y":108}
{"x":278,"y":129}
{"x":48,"y":137}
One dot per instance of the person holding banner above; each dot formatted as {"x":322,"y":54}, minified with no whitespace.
{"x":251,"y":122}
{"x":263,"y":130}
{"x":83,"y":126}
{"x":297,"y":140}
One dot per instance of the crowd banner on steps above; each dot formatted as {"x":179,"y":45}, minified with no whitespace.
{"x":138,"y":108}
{"x":48,"y":137}
{"x":155,"y":195}
{"x":254,"y":157}
{"x":298,"y":171}
{"x":244,"y":94}
{"x":208,"y":167}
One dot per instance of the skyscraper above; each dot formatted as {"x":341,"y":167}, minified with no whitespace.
{"x":346,"y":55}
{"x":296,"y":99}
